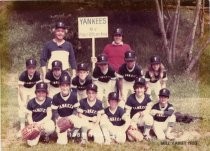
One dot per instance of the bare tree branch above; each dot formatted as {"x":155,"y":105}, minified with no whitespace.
{"x":163,"y":32}
{"x":196,"y":57}
{"x":175,"y":31}
{"x":202,"y":19}
{"x":192,"y":38}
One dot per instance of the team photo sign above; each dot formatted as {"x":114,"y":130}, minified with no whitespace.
{"x":93,"y":27}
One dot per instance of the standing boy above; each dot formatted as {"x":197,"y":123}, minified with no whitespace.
{"x":127,"y":74}
{"x":26,"y":89}
{"x":58,"y":49}
{"x":53,"y":78}
{"x":104,"y":77}
{"x":156,"y":76}
{"x":81,"y":81}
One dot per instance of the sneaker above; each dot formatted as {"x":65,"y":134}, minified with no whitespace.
{"x":83,"y":142}
{"x":147,"y":137}
{"x":19,"y":134}
{"x":62,"y":142}
{"x":170,"y":136}
{"x":107,"y":142}
{"x":46,"y":139}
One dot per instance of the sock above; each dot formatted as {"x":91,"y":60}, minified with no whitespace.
{"x":22,"y":123}
{"x":147,"y":129}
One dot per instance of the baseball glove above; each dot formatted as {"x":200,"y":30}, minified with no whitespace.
{"x":31,"y":131}
{"x":134,"y":134}
{"x":64,"y":123}
{"x":185,"y":118}
{"x":179,"y":116}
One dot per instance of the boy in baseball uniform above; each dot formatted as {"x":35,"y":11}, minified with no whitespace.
{"x":90,"y":112}
{"x":81,"y":81}
{"x":163,"y":115}
{"x":127,"y":74}
{"x":138,"y":106}
{"x":104,"y":77}
{"x":156,"y":76}
{"x":114,"y":123}
{"x":26,"y":89}
{"x":53,"y":77}
{"x":40,"y":113}
{"x":65,"y":104}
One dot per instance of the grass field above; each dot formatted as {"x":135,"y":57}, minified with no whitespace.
{"x":193,"y":105}
{"x":24,"y":36}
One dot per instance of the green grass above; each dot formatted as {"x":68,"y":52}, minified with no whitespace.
{"x":23,"y":38}
{"x":193,"y":105}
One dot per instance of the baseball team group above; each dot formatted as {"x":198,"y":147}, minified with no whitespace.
{"x":117,"y":102}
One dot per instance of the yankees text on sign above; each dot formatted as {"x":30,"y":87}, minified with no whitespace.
{"x":93,"y":27}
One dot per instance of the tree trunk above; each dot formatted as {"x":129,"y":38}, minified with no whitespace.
{"x":196,"y":58}
{"x":175,"y":31}
{"x":161,"y":6}
{"x":202,"y":19}
{"x":192,"y":38}
{"x":163,"y":32}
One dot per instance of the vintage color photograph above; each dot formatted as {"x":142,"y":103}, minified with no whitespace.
{"x":105,"y":75}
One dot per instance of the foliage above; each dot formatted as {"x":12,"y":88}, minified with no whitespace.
{"x":5,"y":58}
{"x":26,"y":31}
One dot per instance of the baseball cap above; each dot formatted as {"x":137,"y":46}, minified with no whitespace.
{"x":118,"y":31}
{"x":82,"y":66}
{"x":56,"y":64}
{"x":102,"y":59}
{"x":60,"y":24}
{"x":139,"y":81}
{"x":65,"y":78}
{"x":92,"y":87}
{"x":130,"y":56}
{"x":113,"y":96}
{"x":41,"y":86}
{"x":164,"y":92}
{"x":155,"y":60}
{"x":31,"y":62}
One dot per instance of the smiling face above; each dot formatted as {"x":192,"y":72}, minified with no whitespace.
{"x":155,"y":67}
{"x":41,"y":95}
{"x":113,"y":104}
{"x":31,"y":70}
{"x":139,"y":91}
{"x":91,"y":95}
{"x":60,"y":33}
{"x":163,"y":100}
{"x":82,"y":74}
{"x":130,"y":64}
{"x":117,"y":39}
{"x":57,"y":72}
{"x":103,"y":67}
{"x":65,"y":89}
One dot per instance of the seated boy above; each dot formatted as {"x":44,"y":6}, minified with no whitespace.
{"x":138,"y":106}
{"x":40,"y":113}
{"x":163,"y":115}
{"x":114,"y":122}
{"x":90,"y":112}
